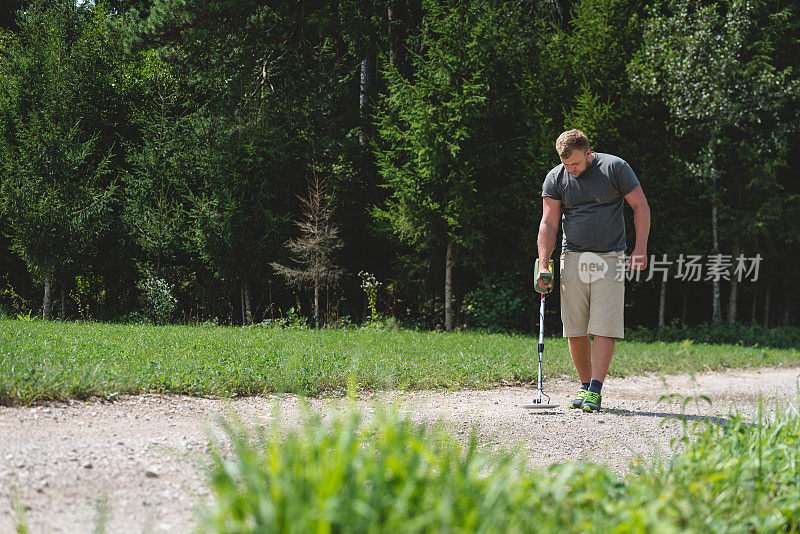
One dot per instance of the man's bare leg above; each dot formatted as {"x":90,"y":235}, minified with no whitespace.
{"x":602,"y":352}
{"x":580,"y":350}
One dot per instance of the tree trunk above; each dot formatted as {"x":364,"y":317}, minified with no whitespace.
{"x":63,"y":302}
{"x":448,"y":288}
{"x":316,"y":303}
{"x":786,"y":320}
{"x":766,"y":306}
{"x":716,"y":309}
{"x":328,"y":308}
{"x":391,"y":31}
{"x":368,"y":64}
{"x":411,"y":16}
{"x":684,"y":307}
{"x":733,"y":301}
{"x":399,"y":15}
{"x":241,"y":302}
{"x":662,"y":305}
{"x":247,"y":309}
{"x":733,"y":297}
{"x":271,"y":304}
{"x":47,"y":305}
{"x":563,"y":7}
{"x":753,"y":307}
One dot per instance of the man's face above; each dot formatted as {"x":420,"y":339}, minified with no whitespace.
{"x":577,"y":162}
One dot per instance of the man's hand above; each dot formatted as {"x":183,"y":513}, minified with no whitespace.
{"x":540,"y":282}
{"x":637,"y":260}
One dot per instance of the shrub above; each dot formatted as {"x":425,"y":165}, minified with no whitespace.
{"x":89,"y":294}
{"x":132,"y":318}
{"x":292,"y":319}
{"x":11,"y":303}
{"x":371,"y":285}
{"x":738,"y":334}
{"x":499,"y":304}
{"x":341,"y":323}
{"x":158,"y":304}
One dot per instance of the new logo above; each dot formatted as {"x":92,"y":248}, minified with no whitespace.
{"x":591,"y":267}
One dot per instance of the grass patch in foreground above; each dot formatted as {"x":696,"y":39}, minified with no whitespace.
{"x":60,"y":360}
{"x":395,"y":476}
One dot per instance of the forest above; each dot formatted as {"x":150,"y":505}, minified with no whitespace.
{"x":380,"y":162}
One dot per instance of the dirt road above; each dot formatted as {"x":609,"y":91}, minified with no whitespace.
{"x":130,"y":463}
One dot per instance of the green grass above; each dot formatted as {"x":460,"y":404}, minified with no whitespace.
{"x":60,"y":360}
{"x":396,"y":476}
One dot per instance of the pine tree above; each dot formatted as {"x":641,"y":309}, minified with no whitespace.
{"x":429,"y":125}
{"x":55,"y":196}
{"x":313,"y":251}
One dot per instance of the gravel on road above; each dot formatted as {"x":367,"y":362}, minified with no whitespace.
{"x":134,"y":463}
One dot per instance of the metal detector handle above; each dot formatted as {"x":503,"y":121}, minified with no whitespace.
{"x":546,"y":277}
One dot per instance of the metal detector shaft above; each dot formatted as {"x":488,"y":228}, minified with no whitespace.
{"x":538,"y":403}
{"x":541,"y":342}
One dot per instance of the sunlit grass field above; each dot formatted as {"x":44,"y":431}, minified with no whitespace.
{"x":59,"y":360}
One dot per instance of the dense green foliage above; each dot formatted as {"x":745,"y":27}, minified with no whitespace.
{"x":394,"y":475}
{"x":164,"y":143}
{"x":61,"y":360}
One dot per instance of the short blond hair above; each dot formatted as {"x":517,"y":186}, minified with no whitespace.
{"x":571,"y":140}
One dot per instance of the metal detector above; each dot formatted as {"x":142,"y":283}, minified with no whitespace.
{"x":538,"y":402}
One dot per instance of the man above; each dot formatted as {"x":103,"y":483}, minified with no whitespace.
{"x":586,"y":193}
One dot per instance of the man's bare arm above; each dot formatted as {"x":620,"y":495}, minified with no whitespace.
{"x":548,"y":229}
{"x":641,"y":222}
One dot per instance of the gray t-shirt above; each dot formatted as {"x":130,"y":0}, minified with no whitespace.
{"x":592,"y":204}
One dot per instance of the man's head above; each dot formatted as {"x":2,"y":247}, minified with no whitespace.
{"x":573,"y":149}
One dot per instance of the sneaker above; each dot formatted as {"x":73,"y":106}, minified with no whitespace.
{"x":580,"y":396}
{"x":592,"y":402}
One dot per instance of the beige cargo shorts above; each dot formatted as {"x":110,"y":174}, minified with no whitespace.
{"x":592,"y":294}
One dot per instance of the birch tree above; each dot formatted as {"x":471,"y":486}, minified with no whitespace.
{"x":705,"y":63}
